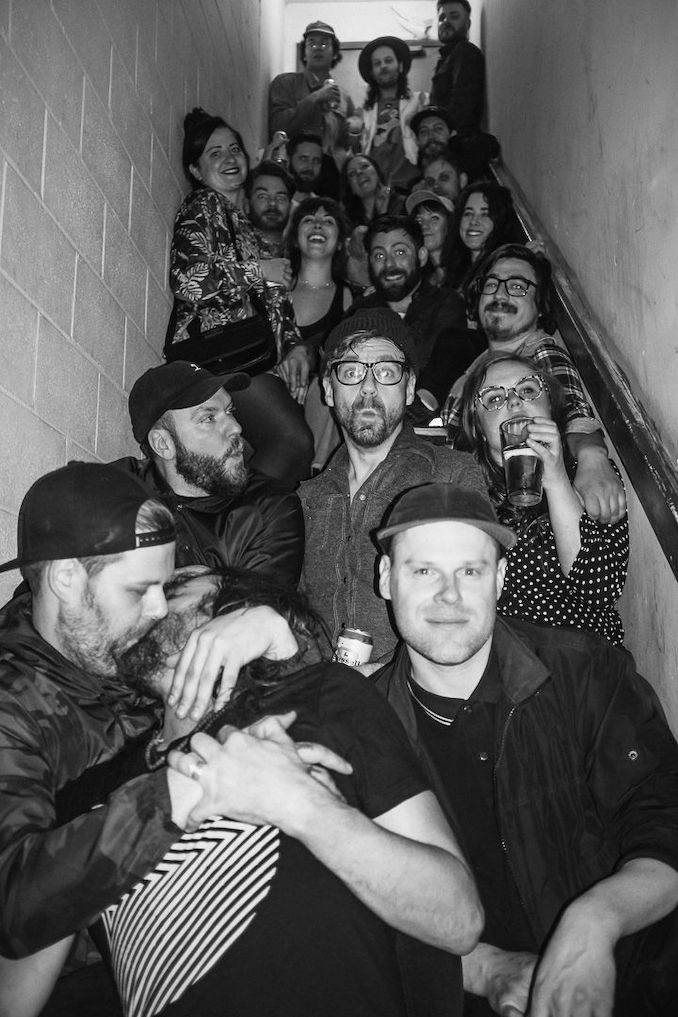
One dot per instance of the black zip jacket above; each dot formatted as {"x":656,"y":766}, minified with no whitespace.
{"x":586,"y":771}
{"x":261,"y":529}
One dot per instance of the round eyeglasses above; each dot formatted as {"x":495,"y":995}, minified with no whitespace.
{"x":385,"y":372}
{"x":515,"y":286}
{"x":493,"y":397}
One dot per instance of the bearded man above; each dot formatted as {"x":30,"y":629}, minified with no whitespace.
{"x":397,"y":260}
{"x":369,"y":369}
{"x":226,"y":514}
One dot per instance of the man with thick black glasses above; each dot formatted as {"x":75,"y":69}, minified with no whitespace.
{"x":510,"y":297}
{"x":368,"y":375}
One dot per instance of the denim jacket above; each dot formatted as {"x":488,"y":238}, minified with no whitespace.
{"x":340,"y":562}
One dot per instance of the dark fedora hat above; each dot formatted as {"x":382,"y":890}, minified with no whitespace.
{"x":400,"y":48}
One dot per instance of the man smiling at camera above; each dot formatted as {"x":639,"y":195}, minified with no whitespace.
{"x":556,"y":765}
{"x":280,"y":863}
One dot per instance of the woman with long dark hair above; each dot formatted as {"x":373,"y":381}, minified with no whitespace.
{"x":316,"y":246}
{"x":484,"y":220}
{"x":566,"y":569}
{"x":219,"y":279}
{"x":434,"y":214}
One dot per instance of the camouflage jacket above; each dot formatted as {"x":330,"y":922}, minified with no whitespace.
{"x":55,"y":722}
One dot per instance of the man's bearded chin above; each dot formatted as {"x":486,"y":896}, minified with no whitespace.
{"x":268,"y":221}
{"x":306,"y":182}
{"x":432,"y":148}
{"x":497,"y":320}
{"x":143,"y":666}
{"x":397,"y":290}
{"x":223,"y":476}
{"x":370,"y":432}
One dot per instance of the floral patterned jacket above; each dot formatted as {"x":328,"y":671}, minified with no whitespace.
{"x":213,"y":279}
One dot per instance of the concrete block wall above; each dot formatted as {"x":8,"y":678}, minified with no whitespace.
{"x":92,"y":99}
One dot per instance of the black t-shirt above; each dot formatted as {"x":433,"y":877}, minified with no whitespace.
{"x":240,"y":919}
{"x":464,"y":755}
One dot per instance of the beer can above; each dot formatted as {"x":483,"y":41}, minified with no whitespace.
{"x":279,"y":143}
{"x":332,"y":105}
{"x":354,"y":647}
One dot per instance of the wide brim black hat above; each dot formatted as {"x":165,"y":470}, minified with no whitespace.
{"x":399,"y":47}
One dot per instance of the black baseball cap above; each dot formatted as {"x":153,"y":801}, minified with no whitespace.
{"x":319,"y":28}
{"x":175,"y":386}
{"x":434,"y":503}
{"x":381,"y":320}
{"x":431,"y":111}
{"x":80,"y":510}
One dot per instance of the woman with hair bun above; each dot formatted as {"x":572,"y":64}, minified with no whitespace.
{"x":218,"y":278}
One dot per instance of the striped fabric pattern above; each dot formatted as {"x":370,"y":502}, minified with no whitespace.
{"x":212,"y":880}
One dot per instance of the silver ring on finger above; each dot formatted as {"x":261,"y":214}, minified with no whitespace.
{"x":195,"y":768}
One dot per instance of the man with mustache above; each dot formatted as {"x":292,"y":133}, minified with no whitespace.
{"x":510,"y":297}
{"x":184,"y":421}
{"x":269,"y":200}
{"x":369,"y":368}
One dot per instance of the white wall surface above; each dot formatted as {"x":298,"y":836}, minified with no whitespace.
{"x":583,"y":98}
{"x":357,"y":21}
{"x":92,"y":99}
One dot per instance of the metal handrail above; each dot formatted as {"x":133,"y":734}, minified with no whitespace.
{"x":636,"y":439}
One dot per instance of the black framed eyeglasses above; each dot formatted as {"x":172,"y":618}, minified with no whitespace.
{"x":515,"y":286}
{"x":494,"y":397}
{"x":385,"y":372}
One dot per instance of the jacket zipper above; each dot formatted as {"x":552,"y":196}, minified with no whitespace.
{"x":501,"y":834}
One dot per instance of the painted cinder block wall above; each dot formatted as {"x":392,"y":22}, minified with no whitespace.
{"x":92,"y":99}
{"x":583,"y":97}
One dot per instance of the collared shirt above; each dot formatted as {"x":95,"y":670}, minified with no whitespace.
{"x":550,"y":356}
{"x":340,"y":560}
{"x":289,"y":109}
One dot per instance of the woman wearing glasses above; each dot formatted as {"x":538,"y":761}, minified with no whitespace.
{"x":566,"y":569}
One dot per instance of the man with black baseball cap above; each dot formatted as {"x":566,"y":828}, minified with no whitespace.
{"x":369,"y":370}
{"x":96,"y":553}
{"x":184,"y":420}
{"x":555,"y":765}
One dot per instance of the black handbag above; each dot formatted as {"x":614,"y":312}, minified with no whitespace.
{"x":247,"y":345}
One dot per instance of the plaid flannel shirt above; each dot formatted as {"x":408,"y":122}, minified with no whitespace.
{"x":550,"y":355}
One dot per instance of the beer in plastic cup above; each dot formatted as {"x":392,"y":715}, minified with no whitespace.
{"x":522,"y":466}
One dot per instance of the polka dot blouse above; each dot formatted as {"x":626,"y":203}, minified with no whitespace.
{"x":536,"y":589}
